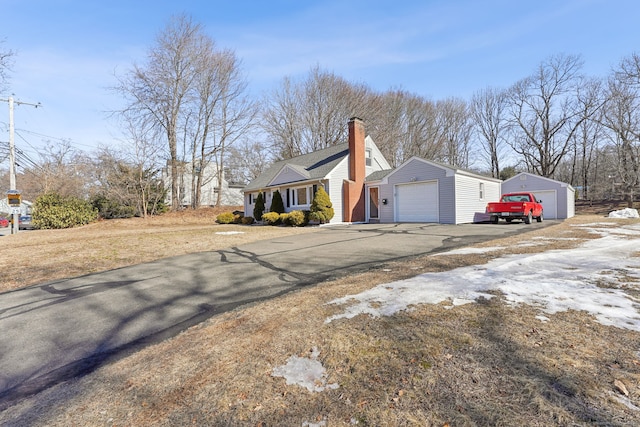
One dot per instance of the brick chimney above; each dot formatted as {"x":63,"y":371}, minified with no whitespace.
{"x":354,"y":187}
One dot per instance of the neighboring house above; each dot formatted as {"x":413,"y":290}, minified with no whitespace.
{"x":558,"y":198}
{"x":340,"y":169}
{"x":424,"y":191}
{"x":231,"y":194}
{"x":5,"y":209}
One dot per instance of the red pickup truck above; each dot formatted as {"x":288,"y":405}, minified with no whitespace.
{"x":523,"y":206}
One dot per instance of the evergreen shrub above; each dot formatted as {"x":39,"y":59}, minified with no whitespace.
{"x":271,"y":218}
{"x":226,"y":218}
{"x":258,"y":209}
{"x":321,"y":207}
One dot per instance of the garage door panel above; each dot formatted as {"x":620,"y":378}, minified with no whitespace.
{"x":417,"y":202}
{"x":549,"y":203}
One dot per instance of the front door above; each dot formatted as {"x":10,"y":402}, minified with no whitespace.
{"x":374,"y":211}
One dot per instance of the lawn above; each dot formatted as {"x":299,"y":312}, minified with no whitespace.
{"x":299,"y":361}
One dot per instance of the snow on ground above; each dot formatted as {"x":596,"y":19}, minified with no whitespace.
{"x":592,"y":278}
{"x":625,"y":213}
{"x":305,"y":371}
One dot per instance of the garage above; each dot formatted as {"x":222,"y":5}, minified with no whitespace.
{"x":558,"y":198}
{"x":417,"y":202}
{"x":549,"y":203}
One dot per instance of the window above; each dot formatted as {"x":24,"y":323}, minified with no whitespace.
{"x":367,"y":157}
{"x":301,"y":196}
{"x":482,"y":191}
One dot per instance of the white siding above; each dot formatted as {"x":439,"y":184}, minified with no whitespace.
{"x":469,"y":206}
{"x":335,"y":189}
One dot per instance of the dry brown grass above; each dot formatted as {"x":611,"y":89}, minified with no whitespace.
{"x":477,"y":364}
{"x":37,"y":256}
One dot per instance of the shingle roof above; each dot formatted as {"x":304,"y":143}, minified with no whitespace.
{"x":378,"y":175}
{"x":317,"y":165}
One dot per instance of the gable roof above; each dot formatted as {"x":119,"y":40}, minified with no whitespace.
{"x":533,"y":175}
{"x":315,"y":165}
{"x":450,"y":170}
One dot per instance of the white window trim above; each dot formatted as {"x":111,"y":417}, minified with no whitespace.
{"x":294,"y":192}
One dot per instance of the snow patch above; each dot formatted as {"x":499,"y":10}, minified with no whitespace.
{"x":305,"y":371}
{"x":624,"y":213}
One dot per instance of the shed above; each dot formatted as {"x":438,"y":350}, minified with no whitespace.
{"x":558,"y":198}
{"x":424,"y":191}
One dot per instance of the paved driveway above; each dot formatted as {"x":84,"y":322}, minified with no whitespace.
{"x":58,"y":330}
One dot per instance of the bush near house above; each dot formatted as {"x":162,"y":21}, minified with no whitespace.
{"x":226,"y":218}
{"x":271,"y":218}
{"x":247,"y":220}
{"x":321,"y":207}
{"x":294,"y":219}
{"x":52,"y":211}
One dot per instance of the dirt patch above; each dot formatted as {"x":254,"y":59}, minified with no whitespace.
{"x":478,"y":364}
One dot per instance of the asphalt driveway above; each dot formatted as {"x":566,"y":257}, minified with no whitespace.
{"x":58,"y":330}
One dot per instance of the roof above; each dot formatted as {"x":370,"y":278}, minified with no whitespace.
{"x":378,"y":175}
{"x":316,"y":165}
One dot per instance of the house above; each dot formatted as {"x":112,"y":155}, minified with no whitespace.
{"x":340,"y":169}
{"x":231,"y":195}
{"x":558,"y":198}
{"x":420,"y":190}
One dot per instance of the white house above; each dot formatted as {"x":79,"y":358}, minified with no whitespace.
{"x":340,"y":169}
{"x":558,"y":198}
{"x":231,"y":194}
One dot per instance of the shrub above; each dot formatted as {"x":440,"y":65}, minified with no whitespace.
{"x":277,"y":204}
{"x":293,"y":218}
{"x":247,"y":220}
{"x":110,"y":209}
{"x":321,"y":207}
{"x":271,"y":218}
{"x":258,"y":209}
{"x":225,"y":218}
{"x":54,"y":211}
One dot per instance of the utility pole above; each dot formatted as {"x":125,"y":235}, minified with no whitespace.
{"x":15,"y":216}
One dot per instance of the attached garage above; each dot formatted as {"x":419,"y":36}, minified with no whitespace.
{"x":420,"y":190}
{"x":558,"y":198}
{"x":417,"y":202}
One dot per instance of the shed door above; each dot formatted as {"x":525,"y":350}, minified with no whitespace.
{"x":549,"y":203}
{"x":417,"y":202}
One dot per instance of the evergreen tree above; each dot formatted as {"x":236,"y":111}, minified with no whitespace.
{"x":321,"y":207}
{"x":276,"y":203}
{"x":258,"y":209}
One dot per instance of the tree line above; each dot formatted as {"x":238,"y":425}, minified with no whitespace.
{"x":187,"y":106}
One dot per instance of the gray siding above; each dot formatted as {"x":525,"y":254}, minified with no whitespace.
{"x":565,"y":194}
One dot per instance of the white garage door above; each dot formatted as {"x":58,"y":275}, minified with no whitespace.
{"x":549,"y":203}
{"x":417,"y":202}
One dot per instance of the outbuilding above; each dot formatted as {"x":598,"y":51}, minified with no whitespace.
{"x":424,"y":191}
{"x":558,"y":198}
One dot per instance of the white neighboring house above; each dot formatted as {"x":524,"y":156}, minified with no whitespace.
{"x":5,"y":209}
{"x":231,"y":194}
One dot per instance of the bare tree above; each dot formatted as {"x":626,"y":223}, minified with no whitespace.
{"x":307,"y":116}
{"x":6,"y":62}
{"x":544,"y":113}
{"x":455,"y":127}
{"x":621,"y":116}
{"x":488,"y":113}
{"x":158,"y":91}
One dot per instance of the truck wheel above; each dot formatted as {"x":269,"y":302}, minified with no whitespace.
{"x":528,"y":218}
{"x":540,"y":218}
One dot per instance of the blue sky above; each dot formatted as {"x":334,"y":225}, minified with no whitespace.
{"x":68,"y":50}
